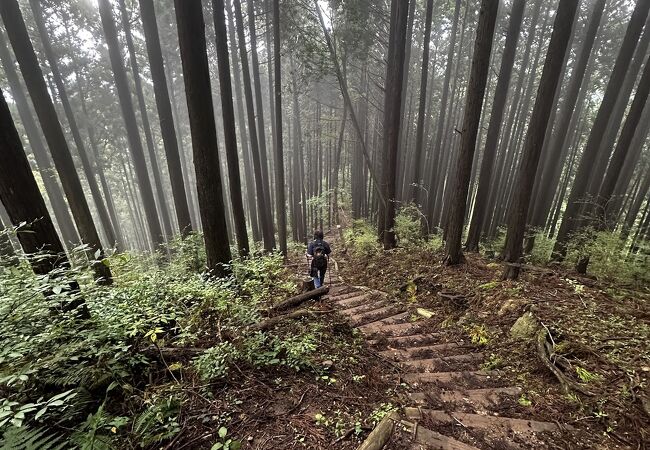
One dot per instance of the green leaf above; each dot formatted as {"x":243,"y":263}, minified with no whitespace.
{"x":223,"y":431}
{"x":217,"y":446}
{"x":40,"y":413}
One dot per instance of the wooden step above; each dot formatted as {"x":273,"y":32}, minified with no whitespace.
{"x":480,"y":421}
{"x":480,"y":397}
{"x":364,"y":307}
{"x":395,"y":329}
{"x":375,"y":315}
{"x":433,"y":439}
{"x":339,"y":298}
{"x":411,"y":353}
{"x":411,"y":340}
{"x":431,"y":364}
{"x":432,"y":377}
{"x":381,"y":323}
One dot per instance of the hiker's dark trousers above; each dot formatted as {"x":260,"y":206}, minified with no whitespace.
{"x":318,"y":276}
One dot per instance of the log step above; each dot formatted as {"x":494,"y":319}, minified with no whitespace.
{"x":433,"y":439}
{"x":375,"y":315}
{"x":339,"y":298}
{"x":378,"y":325}
{"x":480,"y":421}
{"x":433,"y":377}
{"x":479,"y":397}
{"x":364,"y":307}
{"x":395,"y":329}
{"x":433,"y":363}
{"x":411,"y":353}
{"x":411,"y":340}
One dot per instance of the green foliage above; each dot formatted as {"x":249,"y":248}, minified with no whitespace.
{"x":542,"y":249}
{"x":608,"y":257}
{"x":361,"y":239}
{"x":225,"y":443}
{"x":23,"y":438}
{"x":101,"y":380}
{"x":408,"y":226}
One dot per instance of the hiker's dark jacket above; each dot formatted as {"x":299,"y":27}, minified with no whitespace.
{"x":318,"y":243}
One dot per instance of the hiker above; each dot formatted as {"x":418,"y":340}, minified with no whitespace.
{"x":318,"y":250}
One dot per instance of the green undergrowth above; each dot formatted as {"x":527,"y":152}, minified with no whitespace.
{"x":121,"y":378}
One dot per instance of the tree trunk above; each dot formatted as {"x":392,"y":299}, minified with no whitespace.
{"x":54,"y":136}
{"x":191,"y":37}
{"x":128,"y":114}
{"x":230,"y":135}
{"x":473,"y":105}
{"x":496,"y":117}
{"x":26,"y":209}
{"x":588,"y":159}
{"x":153,"y":159}
{"x":419,"y":133}
{"x":392,"y":117}
{"x":167,"y":127}
{"x":298,"y":175}
{"x":262,"y":207}
{"x":104,"y":217}
{"x":45,"y":168}
{"x":535,"y":134}
{"x":558,"y":143}
{"x":277,"y":133}
{"x":622,"y":148}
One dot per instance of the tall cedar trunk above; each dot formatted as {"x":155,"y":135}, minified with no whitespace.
{"x":437,"y":140}
{"x":620,"y":107}
{"x":47,"y":171}
{"x":26,"y":209}
{"x":622,"y":148}
{"x":298,"y":176}
{"x":281,"y":214}
{"x":558,"y":142}
{"x":230,"y":134}
{"x":191,"y":38}
{"x":536,"y":129}
{"x":419,"y":133}
{"x":259,"y":111}
{"x":72,"y":121}
{"x":590,"y":153}
{"x":167,"y":127}
{"x":248,"y":169}
{"x":29,"y":66}
{"x":153,"y":159}
{"x":128,"y":114}
{"x":494,"y":128}
{"x":262,"y":207}
{"x":473,"y":105}
{"x":392,"y":116}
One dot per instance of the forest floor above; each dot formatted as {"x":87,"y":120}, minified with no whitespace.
{"x":598,"y":333}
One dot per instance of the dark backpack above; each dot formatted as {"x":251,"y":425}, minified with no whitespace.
{"x":320,"y":258}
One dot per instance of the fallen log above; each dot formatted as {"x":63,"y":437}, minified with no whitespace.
{"x":378,"y":438}
{"x":300,"y":299}
{"x":273,"y":321}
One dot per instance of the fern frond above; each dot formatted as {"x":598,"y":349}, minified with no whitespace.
{"x":24,"y":438}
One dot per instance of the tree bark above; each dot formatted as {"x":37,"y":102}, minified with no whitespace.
{"x":535,"y":135}
{"x":277,"y":133}
{"x":191,"y":37}
{"x":45,"y":168}
{"x":128,"y":114}
{"x":496,"y":117}
{"x":587,"y":161}
{"x":262,"y":206}
{"x":166,"y":117}
{"x":26,"y":209}
{"x":392,"y":117}
{"x":33,"y":76}
{"x":153,"y":159}
{"x":230,"y":135}
{"x":473,"y":105}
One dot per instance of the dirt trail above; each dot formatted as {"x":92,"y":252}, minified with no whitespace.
{"x":454,"y":401}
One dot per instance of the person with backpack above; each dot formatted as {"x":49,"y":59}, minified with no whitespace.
{"x":318,"y":250}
